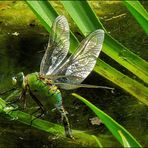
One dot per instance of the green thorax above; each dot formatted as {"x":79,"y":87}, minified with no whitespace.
{"x":43,"y":88}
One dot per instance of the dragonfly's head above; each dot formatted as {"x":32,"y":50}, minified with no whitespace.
{"x":18,"y":79}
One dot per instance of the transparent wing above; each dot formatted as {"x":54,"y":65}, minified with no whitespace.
{"x":82,"y":62}
{"x":58,"y":46}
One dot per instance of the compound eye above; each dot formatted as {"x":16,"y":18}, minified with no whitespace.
{"x":14,"y":81}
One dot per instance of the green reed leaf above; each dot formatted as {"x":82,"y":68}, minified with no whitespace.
{"x":139,"y":13}
{"x":111,"y":124}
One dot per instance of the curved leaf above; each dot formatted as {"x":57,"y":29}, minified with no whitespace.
{"x":111,"y":124}
{"x":138,"y":11}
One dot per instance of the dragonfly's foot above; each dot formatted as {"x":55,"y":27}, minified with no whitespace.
{"x":65,"y":121}
{"x":40,"y":115}
{"x":67,"y":128}
{"x":69,"y":135}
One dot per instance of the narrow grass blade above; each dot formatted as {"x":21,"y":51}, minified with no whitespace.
{"x":133,"y":87}
{"x":44,"y":12}
{"x":125,"y":142}
{"x":86,"y":20}
{"x":111,"y":124}
{"x":138,"y":11}
{"x":97,"y":140}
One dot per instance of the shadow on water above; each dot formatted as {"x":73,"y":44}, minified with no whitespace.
{"x":22,"y":53}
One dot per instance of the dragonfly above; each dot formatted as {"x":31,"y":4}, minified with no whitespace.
{"x":59,"y":70}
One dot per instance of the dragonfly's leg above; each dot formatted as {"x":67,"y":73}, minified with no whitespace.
{"x":39,"y":109}
{"x":20,"y":98}
{"x":23,"y":97}
{"x":65,"y":120}
{"x":39,"y":104}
